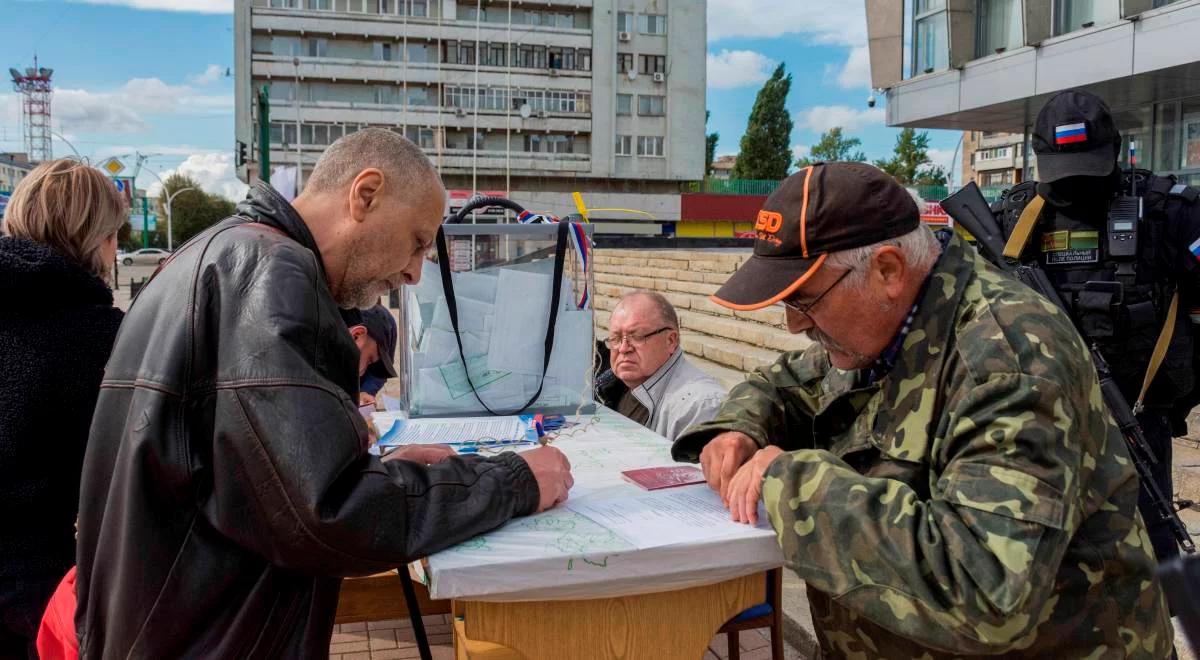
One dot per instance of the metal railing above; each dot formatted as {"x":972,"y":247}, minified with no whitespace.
{"x":766,"y":187}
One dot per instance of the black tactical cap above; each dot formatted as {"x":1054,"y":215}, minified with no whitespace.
{"x":823,"y":208}
{"x":1075,"y":135}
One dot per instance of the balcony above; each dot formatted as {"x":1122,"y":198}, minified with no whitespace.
{"x":460,"y":161}
{"x":377,"y":114}
{"x":374,"y":26}
{"x":374,"y":71}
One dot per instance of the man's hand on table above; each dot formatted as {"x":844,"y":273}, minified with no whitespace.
{"x":553,"y":473}
{"x":423,"y":454}
{"x":722,"y":457}
{"x":745,"y":490}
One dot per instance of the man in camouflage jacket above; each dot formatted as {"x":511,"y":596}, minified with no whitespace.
{"x":961,"y":492}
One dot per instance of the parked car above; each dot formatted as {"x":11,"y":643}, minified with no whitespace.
{"x":145,"y":256}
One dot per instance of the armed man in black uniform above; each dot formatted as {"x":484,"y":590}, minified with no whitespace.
{"x":1122,"y":248}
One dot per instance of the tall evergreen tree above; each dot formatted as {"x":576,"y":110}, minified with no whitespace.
{"x":766,"y":152}
{"x":710,"y":147}
{"x":833,"y":146}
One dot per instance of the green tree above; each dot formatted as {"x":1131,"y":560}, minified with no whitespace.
{"x":909,"y":159}
{"x":766,"y":151}
{"x":192,"y":211}
{"x":833,"y":146}
{"x":934,"y":175}
{"x":710,"y":147}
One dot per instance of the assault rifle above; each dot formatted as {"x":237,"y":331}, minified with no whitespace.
{"x":969,"y":208}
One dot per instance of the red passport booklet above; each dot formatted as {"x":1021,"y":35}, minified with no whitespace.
{"x":658,"y":478}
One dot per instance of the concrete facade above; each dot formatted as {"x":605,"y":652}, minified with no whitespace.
{"x":602,"y":96}
{"x":995,"y":160}
{"x":989,"y":65}
{"x":13,"y":168}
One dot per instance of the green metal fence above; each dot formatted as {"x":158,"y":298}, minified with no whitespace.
{"x":766,"y":187}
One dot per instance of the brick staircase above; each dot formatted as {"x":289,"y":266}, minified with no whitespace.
{"x":722,"y":342}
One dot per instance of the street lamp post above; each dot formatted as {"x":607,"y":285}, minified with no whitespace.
{"x":170,"y":200}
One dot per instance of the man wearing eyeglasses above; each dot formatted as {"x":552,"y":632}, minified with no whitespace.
{"x":938,"y":465}
{"x":651,"y":381}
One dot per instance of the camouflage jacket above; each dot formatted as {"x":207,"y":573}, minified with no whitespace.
{"x":977,"y":500}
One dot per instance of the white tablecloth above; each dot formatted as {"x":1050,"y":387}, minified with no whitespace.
{"x":560,"y":554}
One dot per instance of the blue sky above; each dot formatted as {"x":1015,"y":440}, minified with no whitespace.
{"x":149,"y":75}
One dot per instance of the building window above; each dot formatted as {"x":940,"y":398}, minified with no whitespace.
{"x":625,"y":22}
{"x":624,"y":104}
{"x":321,"y":5}
{"x":999,"y":27}
{"x":992,"y":154}
{"x":1071,"y":15}
{"x":422,"y":137}
{"x":420,"y":96}
{"x":648,"y":64}
{"x":583,"y":59}
{"x":318,"y":48}
{"x":993,"y":179}
{"x":624,"y":145}
{"x":418,"y":8}
{"x":650,"y":145}
{"x":652,"y":24}
{"x":624,"y":62}
{"x":931,"y":51}
{"x":651,"y":106}
{"x":386,"y":95}
{"x":383,"y":52}
{"x":468,"y":13}
{"x":284,"y":4}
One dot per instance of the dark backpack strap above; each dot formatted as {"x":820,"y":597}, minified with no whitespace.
{"x":555,"y":298}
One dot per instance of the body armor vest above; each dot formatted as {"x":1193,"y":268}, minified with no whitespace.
{"x":1118,"y":304}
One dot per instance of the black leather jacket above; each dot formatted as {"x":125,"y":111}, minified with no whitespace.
{"x":227,"y":485}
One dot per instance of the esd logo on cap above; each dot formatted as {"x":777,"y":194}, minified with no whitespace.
{"x":768,"y":224}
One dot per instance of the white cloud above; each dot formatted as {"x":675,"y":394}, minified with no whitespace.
{"x":200,"y":6}
{"x":856,"y":72}
{"x":821,"y":118}
{"x":214,"y":171}
{"x":738,"y":68}
{"x":800,"y":151}
{"x":123,"y":110}
{"x":945,"y":158}
{"x":211,"y":75}
{"x":828,"y":22}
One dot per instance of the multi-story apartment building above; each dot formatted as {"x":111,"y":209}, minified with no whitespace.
{"x":13,"y":168}
{"x":533,"y":99}
{"x":995,"y":160}
{"x":989,"y":65}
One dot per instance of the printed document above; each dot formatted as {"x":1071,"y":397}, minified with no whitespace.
{"x":667,"y":517}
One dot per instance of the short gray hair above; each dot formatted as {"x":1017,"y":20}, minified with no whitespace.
{"x":919,"y":246}
{"x":666,"y":311}
{"x":379,"y":148}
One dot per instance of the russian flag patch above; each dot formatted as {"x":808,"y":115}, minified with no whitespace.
{"x":1194,"y":248}
{"x":1070,"y":133}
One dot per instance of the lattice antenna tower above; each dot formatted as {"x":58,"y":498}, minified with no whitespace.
{"x":36,"y":89}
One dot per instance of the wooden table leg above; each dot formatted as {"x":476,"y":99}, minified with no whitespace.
{"x":661,"y":626}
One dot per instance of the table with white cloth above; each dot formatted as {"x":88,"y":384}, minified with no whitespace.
{"x":561,"y":585}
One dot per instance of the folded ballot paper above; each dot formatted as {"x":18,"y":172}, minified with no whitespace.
{"x":503,"y":311}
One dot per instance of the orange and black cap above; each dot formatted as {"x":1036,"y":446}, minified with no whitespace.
{"x":823,"y":208}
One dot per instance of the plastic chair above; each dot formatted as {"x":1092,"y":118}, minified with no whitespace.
{"x":766,"y":615}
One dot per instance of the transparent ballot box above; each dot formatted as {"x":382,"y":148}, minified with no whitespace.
{"x":492,"y":358}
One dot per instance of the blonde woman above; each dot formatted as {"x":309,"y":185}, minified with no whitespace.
{"x":58,"y":241}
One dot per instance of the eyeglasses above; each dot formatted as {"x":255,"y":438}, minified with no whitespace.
{"x":805,"y":308}
{"x":614,"y":342}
